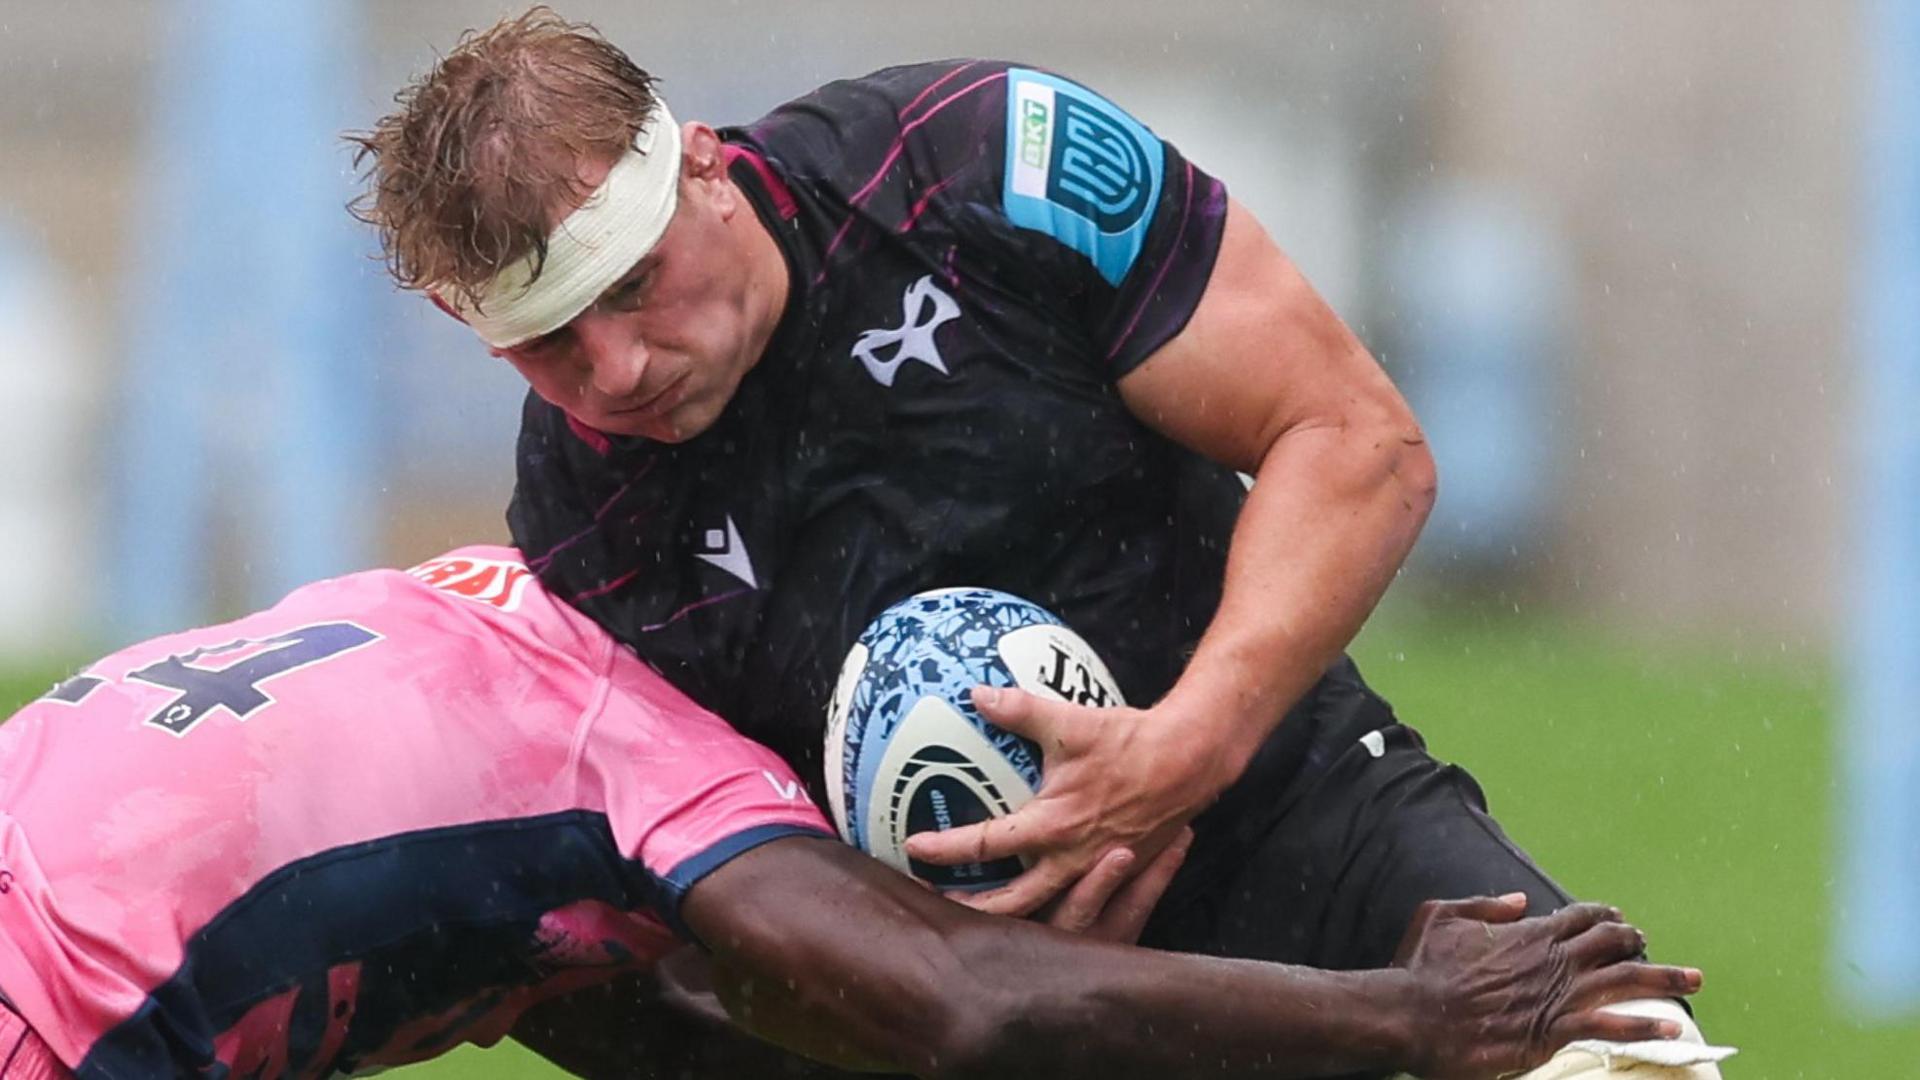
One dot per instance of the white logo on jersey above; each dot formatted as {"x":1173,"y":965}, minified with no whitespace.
{"x":914,"y":338}
{"x":788,"y":791}
{"x":725,"y":550}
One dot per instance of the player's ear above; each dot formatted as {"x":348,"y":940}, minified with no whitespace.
{"x":703,"y":165}
{"x":702,"y":154}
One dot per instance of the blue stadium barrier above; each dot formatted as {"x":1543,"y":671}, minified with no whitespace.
{"x":1482,"y":290}
{"x":244,"y":431}
{"x":1878,"y":945}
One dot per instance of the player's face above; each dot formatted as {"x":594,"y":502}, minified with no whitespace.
{"x":664,"y":348}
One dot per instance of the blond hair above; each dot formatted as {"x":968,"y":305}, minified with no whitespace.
{"x":464,"y":178}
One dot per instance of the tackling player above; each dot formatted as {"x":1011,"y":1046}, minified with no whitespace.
{"x":398,"y":811}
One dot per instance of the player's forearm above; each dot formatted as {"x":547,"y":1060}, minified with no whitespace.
{"x":1072,"y":1008}
{"x":845,"y":960}
{"x":1332,"y":514}
{"x":1021,"y":1000}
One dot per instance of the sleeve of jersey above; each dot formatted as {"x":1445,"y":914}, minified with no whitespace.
{"x":684,"y":792}
{"x":1146,"y":222}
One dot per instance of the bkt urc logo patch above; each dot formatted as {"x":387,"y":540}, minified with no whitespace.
{"x":1079,"y":170}
{"x":1099,"y":169}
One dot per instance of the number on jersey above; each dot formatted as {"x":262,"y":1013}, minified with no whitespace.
{"x":236,"y":686}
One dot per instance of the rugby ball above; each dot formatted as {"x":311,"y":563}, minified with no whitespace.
{"x":906,"y":751}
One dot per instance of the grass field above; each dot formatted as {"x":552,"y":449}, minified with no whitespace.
{"x":1692,"y":786}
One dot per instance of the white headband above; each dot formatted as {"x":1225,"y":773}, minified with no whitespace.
{"x":587,"y":252}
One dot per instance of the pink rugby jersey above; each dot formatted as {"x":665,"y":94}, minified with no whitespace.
{"x":380,"y":819}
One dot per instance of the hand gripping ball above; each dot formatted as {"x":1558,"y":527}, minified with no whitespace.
{"x":906,"y":751}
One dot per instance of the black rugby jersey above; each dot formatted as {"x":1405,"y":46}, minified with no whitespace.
{"x":977,"y":252}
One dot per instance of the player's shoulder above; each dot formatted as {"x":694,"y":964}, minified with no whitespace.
{"x":493,"y":577}
{"x":1050,"y":153}
{"x":500,"y":584}
{"x":900,"y":86}
{"x":488,"y":588}
{"x":930,"y":91}
{"x":951,"y":103}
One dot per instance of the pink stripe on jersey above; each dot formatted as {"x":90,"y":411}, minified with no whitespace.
{"x":933,"y":86}
{"x":886,"y":162}
{"x":1180,"y":234}
{"x":590,"y":435}
{"x":920,"y":207}
{"x":784,"y":203}
{"x":541,"y":562}
{"x":306,"y":754}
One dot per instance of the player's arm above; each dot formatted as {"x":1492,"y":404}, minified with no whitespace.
{"x":672,"y":1021}
{"x":828,"y":950}
{"x":665,"y":1024}
{"x":1267,"y":379}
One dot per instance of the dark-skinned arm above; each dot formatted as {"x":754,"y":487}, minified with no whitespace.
{"x":839,"y":957}
{"x":669,"y":1022}
{"x":656,"y":1025}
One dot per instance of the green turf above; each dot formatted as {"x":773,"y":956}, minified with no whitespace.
{"x":1691,"y":786}
{"x":19,"y":686}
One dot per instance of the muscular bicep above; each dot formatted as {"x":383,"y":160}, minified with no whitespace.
{"x":1261,"y":355}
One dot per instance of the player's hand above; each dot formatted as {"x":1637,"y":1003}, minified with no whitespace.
{"x":1115,"y":778}
{"x":1113,"y":903}
{"x":1503,"y":993}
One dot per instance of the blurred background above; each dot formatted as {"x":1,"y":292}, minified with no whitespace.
{"x":1649,"y":273}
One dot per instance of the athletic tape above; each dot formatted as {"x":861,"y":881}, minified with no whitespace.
{"x":613,"y":229}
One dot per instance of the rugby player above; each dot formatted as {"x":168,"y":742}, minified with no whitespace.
{"x":963,"y":322}
{"x":400,"y":811}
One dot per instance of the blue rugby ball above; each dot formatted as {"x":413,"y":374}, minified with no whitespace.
{"x":906,"y":751}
